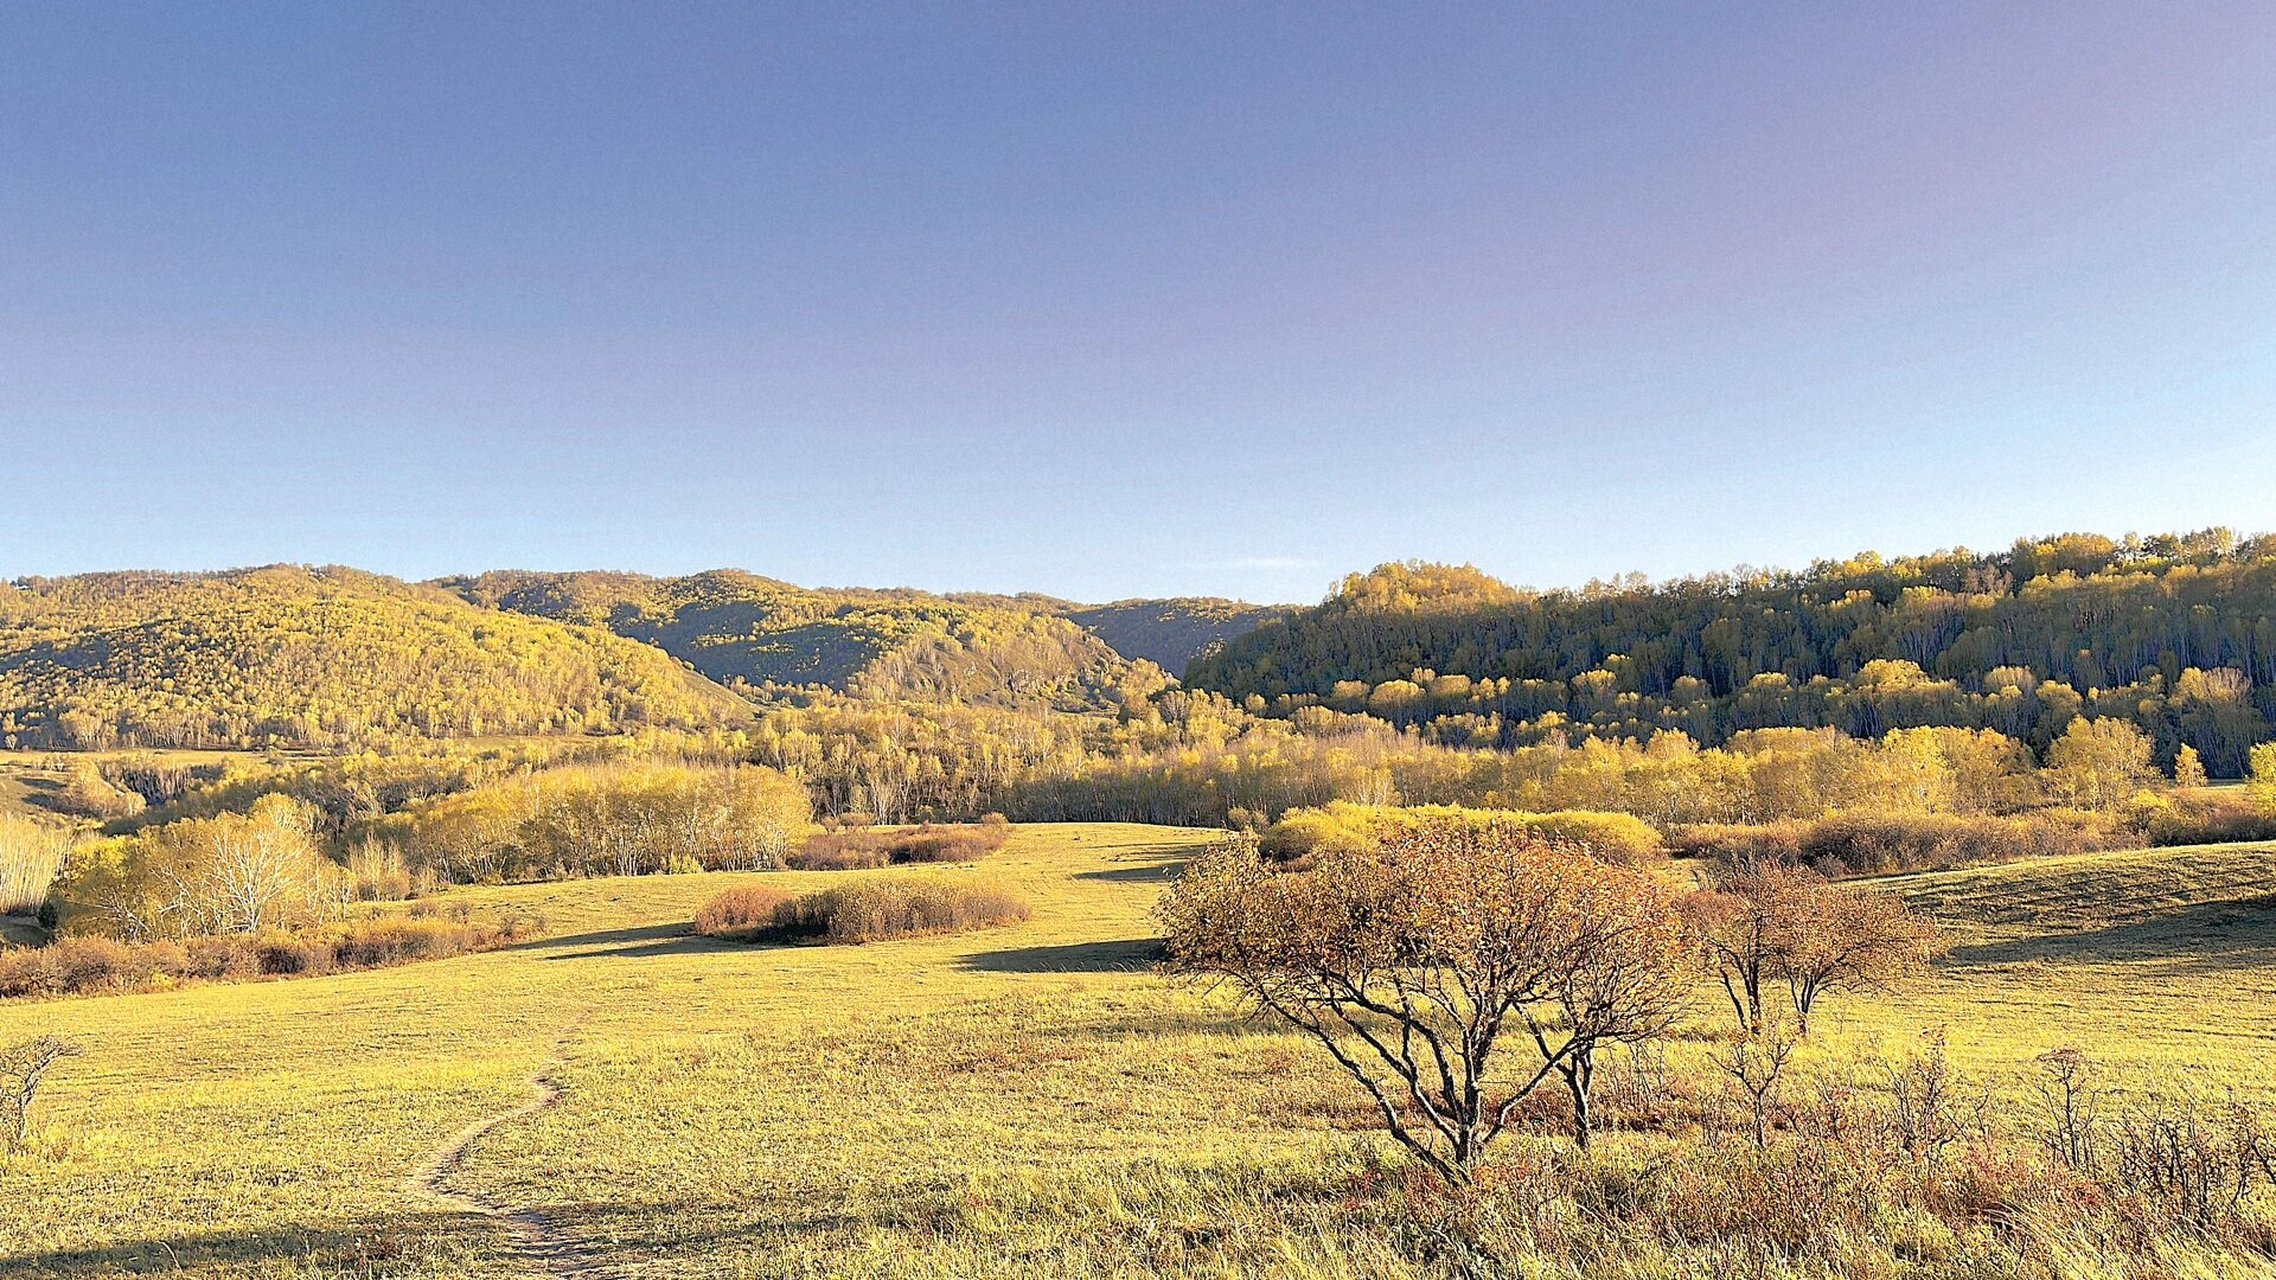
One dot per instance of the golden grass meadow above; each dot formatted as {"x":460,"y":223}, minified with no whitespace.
{"x":1027,"y":1100}
{"x":1126,"y":642}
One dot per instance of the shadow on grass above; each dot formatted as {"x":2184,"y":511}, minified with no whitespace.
{"x":596,"y":1239}
{"x":1147,"y":873}
{"x":671,"y":939}
{"x":1132,"y":955}
{"x":436,"y":1243}
{"x":2210,"y":937}
{"x":44,"y":793}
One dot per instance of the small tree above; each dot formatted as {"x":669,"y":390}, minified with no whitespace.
{"x":1409,"y":958}
{"x":22,"y":1067}
{"x":1741,"y":931}
{"x":2188,"y":767}
{"x":2262,"y":787}
{"x":2073,"y":1102}
{"x":1844,"y":939}
{"x":1776,"y":924}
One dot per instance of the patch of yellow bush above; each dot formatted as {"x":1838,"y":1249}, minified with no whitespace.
{"x":1618,"y":838}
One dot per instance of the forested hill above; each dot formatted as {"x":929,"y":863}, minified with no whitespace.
{"x":747,"y":631}
{"x":2176,"y":632}
{"x":1171,"y":633}
{"x":296,"y":656}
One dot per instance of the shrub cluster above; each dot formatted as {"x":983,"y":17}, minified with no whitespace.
{"x":741,"y":913}
{"x":1865,"y":1154}
{"x":1300,"y":836}
{"x":868,"y":911}
{"x":2202,"y":817}
{"x":98,"y":965}
{"x":1865,"y":844}
{"x":860,"y":850}
{"x":589,"y":820}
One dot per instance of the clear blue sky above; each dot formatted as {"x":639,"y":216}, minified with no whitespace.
{"x":1118,"y":300}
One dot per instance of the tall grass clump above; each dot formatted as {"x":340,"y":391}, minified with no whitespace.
{"x":869,"y":911}
{"x":1872,"y":1161}
{"x":99,"y":966}
{"x":741,"y":913}
{"x":862,"y":850}
{"x":32,"y":855}
{"x":1876,"y":843}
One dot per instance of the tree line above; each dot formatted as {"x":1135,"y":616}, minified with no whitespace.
{"x":2176,"y":633}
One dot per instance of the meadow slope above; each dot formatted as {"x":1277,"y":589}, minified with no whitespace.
{"x":1024,"y":1100}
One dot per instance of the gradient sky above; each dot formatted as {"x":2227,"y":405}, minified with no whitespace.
{"x":1120,"y":300}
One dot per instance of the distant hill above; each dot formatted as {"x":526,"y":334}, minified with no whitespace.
{"x":744,"y":630}
{"x":298,"y":656}
{"x":1172,"y":633}
{"x":2174,"y":632}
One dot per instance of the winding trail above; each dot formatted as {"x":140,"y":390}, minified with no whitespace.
{"x":536,"y":1241}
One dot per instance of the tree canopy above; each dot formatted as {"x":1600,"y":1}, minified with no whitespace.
{"x":2176,"y":633}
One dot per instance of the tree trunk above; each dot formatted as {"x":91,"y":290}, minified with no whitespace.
{"x":1578,"y":1074}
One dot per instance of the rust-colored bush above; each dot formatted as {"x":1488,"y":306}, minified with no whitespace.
{"x":876,"y":910}
{"x":862,"y":850}
{"x":88,"y":965}
{"x":838,"y":851}
{"x":743,"y":912}
{"x":1873,"y":844}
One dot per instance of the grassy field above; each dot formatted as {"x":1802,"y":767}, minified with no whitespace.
{"x":1026,"y":1100}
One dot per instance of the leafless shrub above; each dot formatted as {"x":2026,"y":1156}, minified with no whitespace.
{"x":1930,"y":1107}
{"x":1755,"y":1061}
{"x":2072,"y":1101}
{"x":1407,"y":959}
{"x":2191,"y":1162}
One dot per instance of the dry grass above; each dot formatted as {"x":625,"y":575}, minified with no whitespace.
{"x":98,"y":965}
{"x":1029,"y":1100}
{"x":870,"y":848}
{"x":742,"y":912}
{"x":880,"y":910}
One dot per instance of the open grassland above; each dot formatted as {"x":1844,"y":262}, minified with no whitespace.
{"x":1028,"y":1100}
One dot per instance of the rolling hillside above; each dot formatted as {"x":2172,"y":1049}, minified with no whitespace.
{"x":1171,"y":634}
{"x":744,"y":630}
{"x":2177,"y":632}
{"x":294,"y":656}
{"x":328,"y":657}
